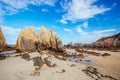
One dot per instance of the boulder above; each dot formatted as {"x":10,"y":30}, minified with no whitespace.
{"x":2,"y":40}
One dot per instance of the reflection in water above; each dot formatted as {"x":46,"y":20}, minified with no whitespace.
{"x":85,"y":59}
{"x":8,"y":52}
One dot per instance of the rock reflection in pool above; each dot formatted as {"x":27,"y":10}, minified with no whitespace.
{"x":85,"y":59}
{"x":8,"y":52}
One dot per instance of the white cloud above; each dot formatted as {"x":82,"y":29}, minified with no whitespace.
{"x":103,"y":33}
{"x":13,"y":6}
{"x":10,"y":7}
{"x":19,"y":4}
{"x":89,"y":37}
{"x":10,"y":30}
{"x":80,"y":10}
{"x":85,"y":25}
{"x":44,"y":10}
{"x":63,"y":21}
{"x":68,"y":30}
{"x":81,"y":31}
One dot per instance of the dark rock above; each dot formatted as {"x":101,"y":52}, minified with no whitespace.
{"x":105,"y":54}
{"x":26,"y":56}
{"x":48,"y":63}
{"x":2,"y":56}
{"x":38,"y":61}
{"x":72,"y":65}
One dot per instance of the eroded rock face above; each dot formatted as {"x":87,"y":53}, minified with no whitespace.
{"x":26,"y":39}
{"x":108,"y":42}
{"x":2,"y":40}
{"x":46,"y":39}
{"x":49,"y":39}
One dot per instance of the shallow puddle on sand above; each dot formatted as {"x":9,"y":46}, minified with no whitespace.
{"x":85,"y":59}
{"x":8,"y":52}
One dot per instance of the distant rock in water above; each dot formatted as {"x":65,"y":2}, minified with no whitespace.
{"x":108,"y":42}
{"x":2,"y":40}
{"x":46,"y":39}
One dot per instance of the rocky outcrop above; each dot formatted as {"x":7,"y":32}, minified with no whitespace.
{"x":108,"y":42}
{"x":46,"y":39}
{"x":26,"y":39}
{"x":2,"y":40}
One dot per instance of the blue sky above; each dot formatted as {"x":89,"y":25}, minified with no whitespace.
{"x":83,"y":21}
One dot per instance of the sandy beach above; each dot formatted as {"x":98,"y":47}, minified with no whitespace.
{"x":20,"y":69}
{"x":59,"y":39}
{"x":109,"y":64}
{"x":16,"y":68}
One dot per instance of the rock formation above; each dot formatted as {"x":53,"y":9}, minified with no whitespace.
{"x":46,"y":39}
{"x":49,"y":39}
{"x":2,"y":40}
{"x":26,"y":39}
{"x":108,"y":42}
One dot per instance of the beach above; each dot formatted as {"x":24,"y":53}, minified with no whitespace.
{"x":16,"y":68}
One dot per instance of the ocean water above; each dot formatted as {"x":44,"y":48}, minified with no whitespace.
{"x":9,"y":52}
{"x":11,"y":45}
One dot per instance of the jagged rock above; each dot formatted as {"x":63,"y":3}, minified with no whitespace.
{"x":26,"y":39}
{"x":46,"y":39}
{"x":2,"y":40}
{"x":49,"y":39}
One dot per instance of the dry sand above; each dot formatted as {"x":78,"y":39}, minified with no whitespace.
{"x":19,"y":69}
{"x":15,"y":68}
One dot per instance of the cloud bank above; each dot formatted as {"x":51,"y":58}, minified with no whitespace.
{"x":81,"y":9}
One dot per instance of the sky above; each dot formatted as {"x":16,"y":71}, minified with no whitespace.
{"x":83,"y":21}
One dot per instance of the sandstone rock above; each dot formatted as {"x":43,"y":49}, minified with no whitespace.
{"x":108,"y":42}
{"x":2,"y":40}
{"x":46,"y":39}
{"x":49,"y":39}
{"x":26,"y":39}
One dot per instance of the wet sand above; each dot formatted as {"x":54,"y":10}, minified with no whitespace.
{"x":110,"y":64}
